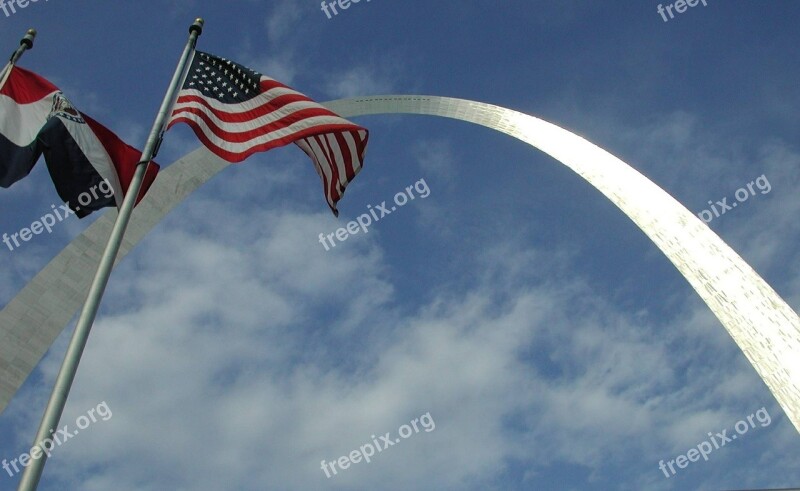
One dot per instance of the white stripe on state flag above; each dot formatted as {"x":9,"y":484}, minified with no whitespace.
{"x":21,"y":122}
{"x":96,"y":153}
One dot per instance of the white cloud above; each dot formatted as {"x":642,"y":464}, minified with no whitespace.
{"x":283,"y":20}
{"x":358,"y":81}
{"x":240,"y":357}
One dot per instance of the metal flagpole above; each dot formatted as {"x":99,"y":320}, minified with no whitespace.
{"x":58,"y":398}
{"x":25,"y":43}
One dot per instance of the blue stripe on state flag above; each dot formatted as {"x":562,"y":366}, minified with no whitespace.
{"x":72,"y":171}
{"x":16,"y":162}
{"x":25,"y":103}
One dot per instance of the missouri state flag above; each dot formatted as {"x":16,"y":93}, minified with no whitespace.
{"x":236,"y":111}
{"x":36,"y":119}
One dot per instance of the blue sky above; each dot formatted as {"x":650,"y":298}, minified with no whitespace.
{"x":551,"y":342}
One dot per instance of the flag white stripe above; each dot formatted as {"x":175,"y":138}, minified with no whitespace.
{"x":321,"y":140}
{"x":96,"y":153}
{"x":325,"y":163}
{"x":304,"y":145}
{"x":336,"y":152}
{"x":322,"y":164}
{"x":239,"y":147}
{"x":21,"y":122}
{"x":250,"y":124}
{"x":351,"y":144}
{"x":271,"y":115}
{"x":328,"y":156}
{"x":248,"y":105}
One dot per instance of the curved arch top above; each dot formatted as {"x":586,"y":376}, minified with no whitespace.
{"x":761,"y":323}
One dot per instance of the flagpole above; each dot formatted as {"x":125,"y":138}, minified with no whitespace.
{"x":25,"y":44}
{"x":66,"y":375}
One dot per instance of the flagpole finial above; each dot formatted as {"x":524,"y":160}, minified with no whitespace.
{"x":25,"y":44}
{"x":197,"y":26}
{"x":27,"y":40}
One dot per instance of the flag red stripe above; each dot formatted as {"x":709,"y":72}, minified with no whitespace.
{"x":305,"y":145}
{"x":333,"y":187}
{"x":246,"y":136}
{"x":246,"y":151}
{"x":236,"y":126}
{"x":124,"y":157}
{"x":348,"y":159}
{"x":269,"y":106}
{"x":25,"y":87}
{"x":270,"y":83}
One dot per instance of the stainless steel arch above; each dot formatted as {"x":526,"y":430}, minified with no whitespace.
{"x":763,"y":325}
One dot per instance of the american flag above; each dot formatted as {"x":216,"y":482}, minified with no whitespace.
{"x":236,"y":112}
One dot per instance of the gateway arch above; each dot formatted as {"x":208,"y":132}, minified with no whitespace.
{"x":761,"y":323}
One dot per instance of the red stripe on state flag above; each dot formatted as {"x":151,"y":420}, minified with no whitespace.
{"x":25,"y":87}
{"x":36,"y":119}
{"x":124,"y":157}
{"x":26,"y":100}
